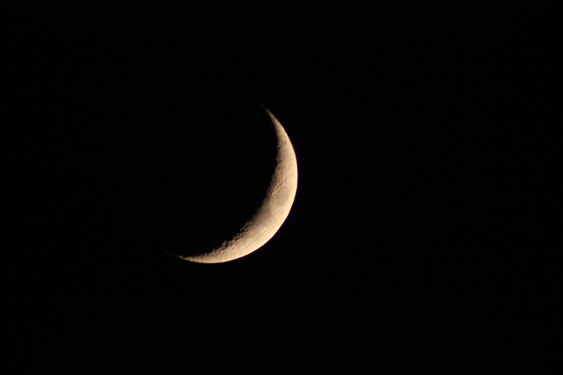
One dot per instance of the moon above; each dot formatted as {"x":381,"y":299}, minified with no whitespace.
{"x":269,"y":218}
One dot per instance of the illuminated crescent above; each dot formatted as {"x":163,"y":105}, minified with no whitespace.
{"x":268,"y":219}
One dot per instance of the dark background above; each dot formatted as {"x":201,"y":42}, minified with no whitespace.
{"x":423,"y":236}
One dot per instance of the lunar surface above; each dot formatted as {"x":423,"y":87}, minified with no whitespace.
{"x":268,"y":219}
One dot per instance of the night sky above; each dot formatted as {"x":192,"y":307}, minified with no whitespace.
{"x":424,"y":233}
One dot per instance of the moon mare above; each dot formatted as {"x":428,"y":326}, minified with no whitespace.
{"x":272,"y":213}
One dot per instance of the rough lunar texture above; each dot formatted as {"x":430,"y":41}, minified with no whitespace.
{"x":271,"y":214}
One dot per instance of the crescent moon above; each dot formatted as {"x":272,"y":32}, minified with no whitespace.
{"x":268,"y":219}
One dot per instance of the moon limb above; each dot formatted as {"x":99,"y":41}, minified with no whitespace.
{"x":269,"y":218}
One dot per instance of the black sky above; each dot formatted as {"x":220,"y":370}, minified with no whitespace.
{"x":423,"y":235}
